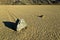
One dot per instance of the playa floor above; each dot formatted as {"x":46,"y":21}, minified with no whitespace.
{"x":43,"y":22}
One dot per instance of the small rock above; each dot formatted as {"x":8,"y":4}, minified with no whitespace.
{"x":40,"y":16}
{"x":22,"y":24}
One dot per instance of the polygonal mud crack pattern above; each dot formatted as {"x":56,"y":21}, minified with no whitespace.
{"x":38,"y":28}
{"x":51,"y":36}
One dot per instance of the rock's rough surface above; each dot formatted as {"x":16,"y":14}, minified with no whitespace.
{"x":22,"y":24}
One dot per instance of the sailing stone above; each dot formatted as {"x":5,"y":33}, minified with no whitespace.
{"x":20,"y":24}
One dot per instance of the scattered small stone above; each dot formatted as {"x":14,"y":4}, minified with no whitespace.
{"x":40,"y":16}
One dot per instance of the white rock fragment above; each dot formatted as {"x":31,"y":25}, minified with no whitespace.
{"x":22,"y":24}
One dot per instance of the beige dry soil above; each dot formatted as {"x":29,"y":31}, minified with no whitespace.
{"x":43,"y":22}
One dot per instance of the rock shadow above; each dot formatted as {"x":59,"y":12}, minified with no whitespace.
{"x":11,"y":25}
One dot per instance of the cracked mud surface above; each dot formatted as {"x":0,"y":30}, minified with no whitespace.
{"x":45,"y":28}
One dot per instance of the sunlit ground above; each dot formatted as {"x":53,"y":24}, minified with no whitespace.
{"x":46,"y":27}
